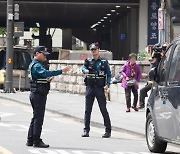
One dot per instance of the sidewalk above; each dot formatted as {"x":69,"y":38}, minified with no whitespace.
{"x":72,"y":105}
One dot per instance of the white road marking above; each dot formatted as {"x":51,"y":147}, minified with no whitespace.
{"x":14,"y":126}
{"x":54,"y":151}
{"x":2,"y":114}
{"x":85,"y":152}
{"x":4,"y":151}
{"x":23,"y":128}
{"x":62,"y":152}
{"x":37,"y":151}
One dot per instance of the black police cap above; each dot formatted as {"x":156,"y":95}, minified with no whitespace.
{"x":41,"y":49}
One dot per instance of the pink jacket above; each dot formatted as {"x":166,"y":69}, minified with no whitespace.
{"x":126,"y":72}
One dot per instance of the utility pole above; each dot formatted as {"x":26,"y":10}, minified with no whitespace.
{"x":9,"y":49}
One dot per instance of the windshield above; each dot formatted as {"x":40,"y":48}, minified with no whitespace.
{"x":21,"y":59}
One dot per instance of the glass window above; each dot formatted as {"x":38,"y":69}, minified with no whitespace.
{"x":174,"y":75}
{"x":2,"y":59}
{"x":164,"y":66}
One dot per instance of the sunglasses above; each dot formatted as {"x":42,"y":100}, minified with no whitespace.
{"x":93,"y":49}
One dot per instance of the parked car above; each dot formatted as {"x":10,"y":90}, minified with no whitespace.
{"x":21,"y":60}
{"x":163,"y":107}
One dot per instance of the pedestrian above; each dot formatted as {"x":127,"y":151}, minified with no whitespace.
{"x":40,"y":79}
{"x":130,"y":82}
{"x":98,"y":77}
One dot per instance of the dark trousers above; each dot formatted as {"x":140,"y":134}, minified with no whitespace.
{"x":128,"y":96}
{"x":91,"y":94}
{"x":143,"y":94}
{"x":38,"y":103}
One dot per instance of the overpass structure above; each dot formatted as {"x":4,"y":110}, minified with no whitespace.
{"x":120,"y":26}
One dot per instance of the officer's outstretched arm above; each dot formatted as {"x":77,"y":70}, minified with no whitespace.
{"x":39,"y":70}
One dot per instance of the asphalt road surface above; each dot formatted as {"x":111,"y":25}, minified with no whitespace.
{"x":63,"y":134}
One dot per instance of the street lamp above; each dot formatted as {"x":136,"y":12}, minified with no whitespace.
{"x":9,"y":49}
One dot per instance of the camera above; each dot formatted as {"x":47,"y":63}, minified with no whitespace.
{"x":157,"y":51}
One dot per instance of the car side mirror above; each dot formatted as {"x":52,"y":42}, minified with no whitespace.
{"x":153,"y":74}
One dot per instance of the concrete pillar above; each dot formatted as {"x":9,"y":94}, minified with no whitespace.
{"x":143,"y":15}
{"x":134,"y":30}
{"x":114,"y":41}
{"x":67,"y":39}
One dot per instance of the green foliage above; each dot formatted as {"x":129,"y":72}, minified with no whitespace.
{"x":35,"y":30}
{"x":143,"y":55}
{"x":3,"y":31}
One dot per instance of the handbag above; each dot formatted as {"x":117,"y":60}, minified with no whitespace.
{"x":131,"y":82}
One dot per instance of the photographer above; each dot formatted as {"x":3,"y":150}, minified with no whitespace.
{"x":158,"y":52}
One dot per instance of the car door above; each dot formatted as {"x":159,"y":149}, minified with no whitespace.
{"x":172,"y":97}
{"x":159,"y":90}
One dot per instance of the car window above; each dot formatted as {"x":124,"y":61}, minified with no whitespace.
{"x":2,"y":59}
{"x":174,"y":75}
{"x":163,"y":66}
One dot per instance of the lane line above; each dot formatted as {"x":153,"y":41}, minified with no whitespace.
{"x":5,"y":151}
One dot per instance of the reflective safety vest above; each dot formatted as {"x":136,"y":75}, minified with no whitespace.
{"x":41,"y":86}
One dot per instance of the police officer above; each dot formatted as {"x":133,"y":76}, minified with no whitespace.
{"x":98,"y":76}
{"x":40,"y":79}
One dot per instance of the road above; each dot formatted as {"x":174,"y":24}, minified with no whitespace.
{"x":63,"y":134}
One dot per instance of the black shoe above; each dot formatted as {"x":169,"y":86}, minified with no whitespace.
{"x":85,"y":134}
{"x":41,"y":144}
{"x":106,"y":135}
{"x":29,"y":143}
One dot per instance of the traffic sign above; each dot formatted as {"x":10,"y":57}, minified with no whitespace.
{"x":18,"y":29}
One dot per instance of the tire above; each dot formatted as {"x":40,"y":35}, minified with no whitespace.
{"x":154,"y":143}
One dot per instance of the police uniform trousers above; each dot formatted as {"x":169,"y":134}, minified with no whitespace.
{"x":91,"y":94}
{"x":38,"y":103}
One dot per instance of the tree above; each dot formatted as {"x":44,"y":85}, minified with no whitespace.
{"x":3,"y":31}
{"x":35,"y":30}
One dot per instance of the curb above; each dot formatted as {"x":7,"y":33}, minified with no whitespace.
{"x":95,"y":124}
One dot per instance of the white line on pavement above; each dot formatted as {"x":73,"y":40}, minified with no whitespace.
{"x":54,"y":151}
{"x":2,"y":114}
{"x":4,"y":151}
{"x":37,"y":151}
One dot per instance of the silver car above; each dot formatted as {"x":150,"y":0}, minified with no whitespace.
{"x":163,"y":108}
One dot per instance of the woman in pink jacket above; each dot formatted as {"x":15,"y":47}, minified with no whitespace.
{"x":131,"y":70}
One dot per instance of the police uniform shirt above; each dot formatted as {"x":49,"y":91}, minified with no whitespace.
{"x":98,"y":67}
{"x":38,"y":71}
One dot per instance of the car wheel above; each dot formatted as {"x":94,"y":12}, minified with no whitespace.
{"x":154,"y":143}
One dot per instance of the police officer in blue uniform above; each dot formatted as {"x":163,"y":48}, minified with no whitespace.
{"x":40,"y":79}
{"x":98,"y":77}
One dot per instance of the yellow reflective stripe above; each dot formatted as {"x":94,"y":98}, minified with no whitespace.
{"x":42,"y":79}
{"x":91,"y":75}
{"x":41,"y":82}
{"x":99,"y":77}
